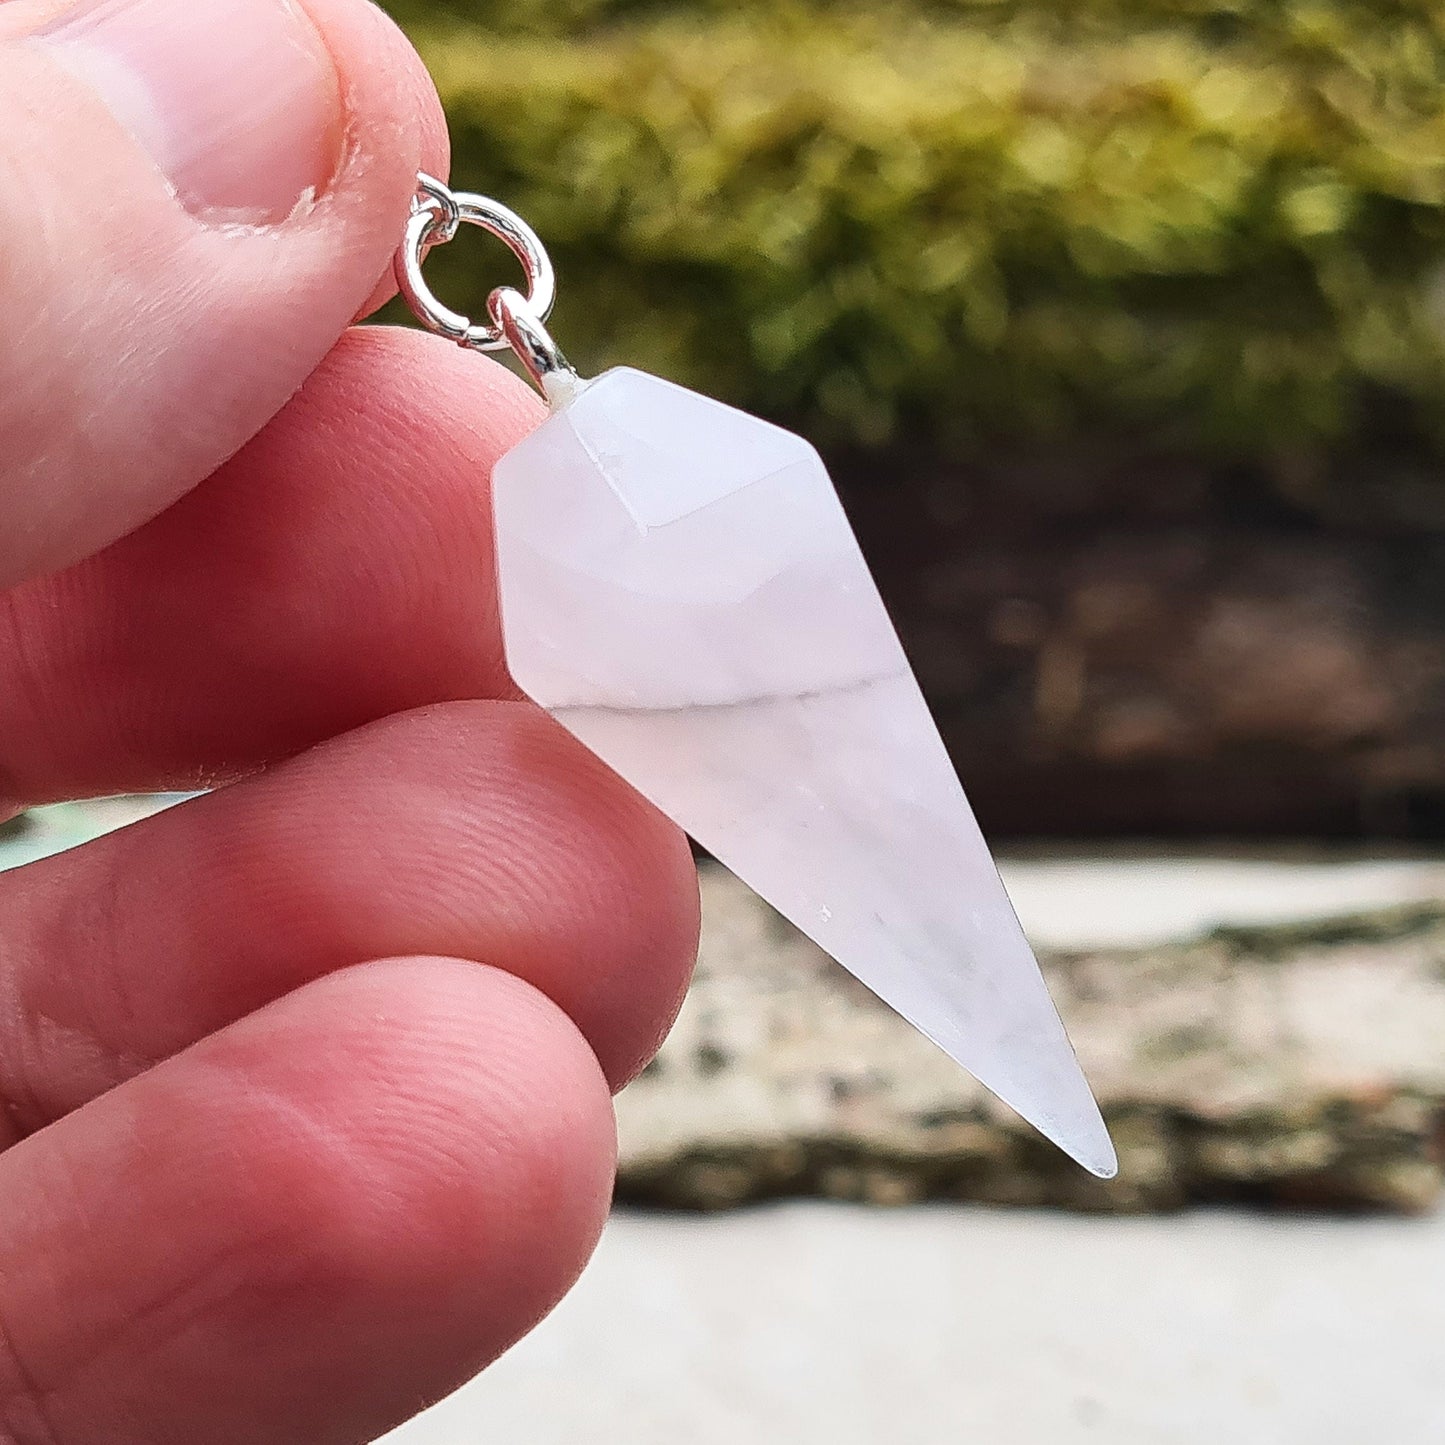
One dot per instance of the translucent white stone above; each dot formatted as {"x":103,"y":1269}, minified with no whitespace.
{"x":681,"y":588}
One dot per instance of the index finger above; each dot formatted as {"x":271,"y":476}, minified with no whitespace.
{"x":337,"y":570}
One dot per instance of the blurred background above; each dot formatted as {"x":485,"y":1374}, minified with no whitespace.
{"x":1121,"y":324}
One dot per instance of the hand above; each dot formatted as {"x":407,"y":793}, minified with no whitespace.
{"x":305,"y":1082}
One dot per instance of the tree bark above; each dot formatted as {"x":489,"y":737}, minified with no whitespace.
{"x":1294,"y":1065}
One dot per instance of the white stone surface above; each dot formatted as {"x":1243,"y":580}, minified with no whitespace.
{"x":820,"y":1324}
{"x":681,"y":587}
{"x":1117,"y":895}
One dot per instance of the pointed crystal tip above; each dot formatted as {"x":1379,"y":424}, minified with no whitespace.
{"x":1085,"y":1141}
{"x":1097,"y":1155}
{"x":1048,"y":1090}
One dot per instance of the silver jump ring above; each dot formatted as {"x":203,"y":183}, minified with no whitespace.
{"x":432,"y":194}
{"x":435,"y":216}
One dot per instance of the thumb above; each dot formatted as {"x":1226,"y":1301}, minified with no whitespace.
{"x":196,"y":197}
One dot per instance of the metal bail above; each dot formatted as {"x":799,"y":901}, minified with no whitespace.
{"x":515,"y":319}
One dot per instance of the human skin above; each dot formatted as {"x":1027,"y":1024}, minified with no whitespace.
{"x":304,"y":1084}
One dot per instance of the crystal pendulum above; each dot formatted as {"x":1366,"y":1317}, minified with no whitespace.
{"x":681,"y":589}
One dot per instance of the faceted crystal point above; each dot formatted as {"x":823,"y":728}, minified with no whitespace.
{"x":681,"y":589}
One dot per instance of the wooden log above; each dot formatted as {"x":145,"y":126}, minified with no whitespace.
{"x":1110,"y":656}
{"x":1300,"y":1064}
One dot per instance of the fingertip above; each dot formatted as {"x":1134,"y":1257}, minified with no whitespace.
{"x":417,"y":1113}
{"x":651,"y":897}
{"x":430,"y":1152}
{"x":313,"y":1222}
{"x":603,"y":912}
{"x":414,"y":82}
{"x":605,"y":883}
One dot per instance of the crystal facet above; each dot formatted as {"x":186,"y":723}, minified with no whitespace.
{"x":682,"y":590}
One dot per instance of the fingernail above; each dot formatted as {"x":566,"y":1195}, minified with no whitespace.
{"x":237,"y":101}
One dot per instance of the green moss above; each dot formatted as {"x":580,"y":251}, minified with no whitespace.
{"x":1212,"y":225}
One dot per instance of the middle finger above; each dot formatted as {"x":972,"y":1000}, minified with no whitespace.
{"x":474,"y":830}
